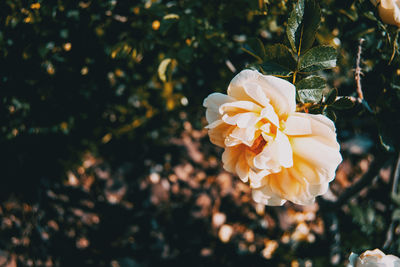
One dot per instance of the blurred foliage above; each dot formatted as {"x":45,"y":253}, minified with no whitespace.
{"x":120,"y":79}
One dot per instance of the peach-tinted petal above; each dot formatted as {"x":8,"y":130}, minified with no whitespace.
{"x":297,"y":125}
{"x":212,"y":103}
{"x":275,"y":154}
{"x":243,"y":135}
{"x":284,"y":155}
{"x":269,"y":113}
{"x":239,"y":106}
{"x":257,"y":94}
{"x":242,"y":120}
{"x":242,"y":168}
{"x":317,"y":153}
{"x":264,"y":196}
{"x":219,"y":132}
{"x":281,"y":93}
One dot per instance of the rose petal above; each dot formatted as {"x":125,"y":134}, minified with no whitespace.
{"x":212,"y":103}
{"x":239,"y":106}
{"x":297,"y":125}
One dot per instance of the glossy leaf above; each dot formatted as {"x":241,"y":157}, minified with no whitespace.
{"x":293,"y":28}
{"x":311,"y":21}
{"x":302,"y":25}
{"x":310,"y":89}
{"x":318,"y":58}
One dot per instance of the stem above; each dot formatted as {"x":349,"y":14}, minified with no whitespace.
{"x":358,"y":71}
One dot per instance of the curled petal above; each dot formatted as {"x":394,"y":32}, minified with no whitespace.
{"x":281,"y":93}
{"x":269,"y":113}
{"x":275,"y":154}
{"x":218,"y":131}
{"x":242,"y":120}
{"x":264,"y":196}
{"x":239,"y":106}
{"x":243,"y":135}
{"x":212,"y":103}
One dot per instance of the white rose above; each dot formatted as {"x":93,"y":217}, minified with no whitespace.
{"x":373,"y":258}
{"x":284,"y":154}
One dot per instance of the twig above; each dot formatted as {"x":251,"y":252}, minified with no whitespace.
{"x":395,"y":184}
{"x":358,"y":71}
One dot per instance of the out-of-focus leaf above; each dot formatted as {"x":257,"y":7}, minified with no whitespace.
{"x":310,"y":89}
{"x":396,"y":215}
{"x":293,"y":28}
{"x":318,"y":58}
{"x":331,"y":96}
{"x":255,"y":48}
{"x":342,"y":103}
{"x":162,"y":69}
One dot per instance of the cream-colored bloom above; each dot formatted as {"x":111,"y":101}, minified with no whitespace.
{"x":285,"y":155}
{"x":389,"y":11}
{"x":373,"y":258}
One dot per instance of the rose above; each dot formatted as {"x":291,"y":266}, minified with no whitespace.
{"x":285,"y":155}
{"x":373,"y":258}
{"x":389,"y":11}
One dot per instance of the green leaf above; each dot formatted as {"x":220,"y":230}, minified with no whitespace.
{"x":396,"y":215}
{"x":255,"y":48}
{"x":329,"y":113}
{"x":311,"y":21}
{"x":302,"y":25}
{"x":310,"y":89}
{"x":272,"y":68}
{"x":281,"y":55}
{"x":318,"y":58}
{"x":331,"y":96}
{"x":293,"y":28}
{"x":343,"y":103}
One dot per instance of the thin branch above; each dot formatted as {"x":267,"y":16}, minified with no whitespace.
{"x":358,"y":71}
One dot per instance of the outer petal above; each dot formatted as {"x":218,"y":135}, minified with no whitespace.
{"x":212,"y":103}
{"x":280,"y":93}
{"x":218,"y":131}
{"x":264,"y":196}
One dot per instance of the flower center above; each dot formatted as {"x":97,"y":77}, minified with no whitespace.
{"x":258,"y":145}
